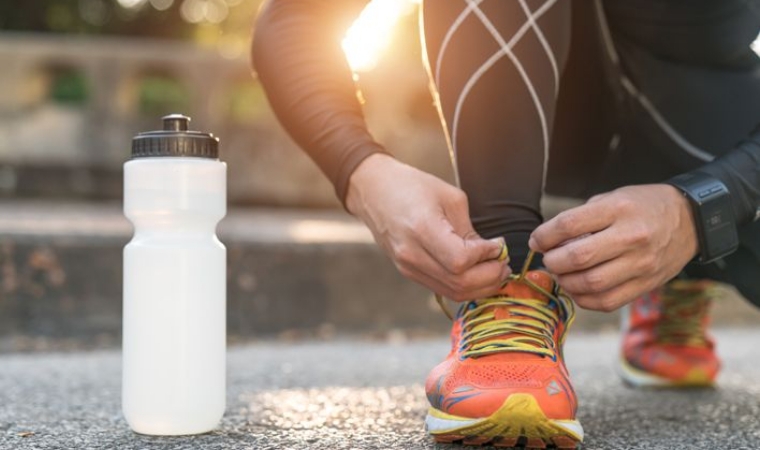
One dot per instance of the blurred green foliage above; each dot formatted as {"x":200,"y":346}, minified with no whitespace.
{"x":145,"y":18}
{"x":224,"y":25}
{"x":69,"y":87}
{"x":92,"y":17}
{"x":161,"y":95}
{"x":245,"y":102}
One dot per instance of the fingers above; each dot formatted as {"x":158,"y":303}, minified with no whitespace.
{"x":456,"y":210}
{"x":598,"y":197}
{"x":455,"y":252}
{"x":586,"y":252}
{"x":423,"y":224}
{"x":461,"y":268}
{"x":599,"y":279}
{"x":454,"y":242}
{"x":448,"y":256}
{"x":637,"y":239}
{"x":481,"y":280}
{"x":571,"y":224}
{"x":614,"y":298}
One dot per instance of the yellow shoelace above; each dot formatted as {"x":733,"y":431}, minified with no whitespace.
{"x":682,"y":315}
{"x":530,"y":326}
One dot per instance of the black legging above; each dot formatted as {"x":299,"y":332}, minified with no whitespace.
{"x":496,"y":66}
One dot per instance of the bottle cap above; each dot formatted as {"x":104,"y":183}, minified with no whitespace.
{"x":175,"y":140}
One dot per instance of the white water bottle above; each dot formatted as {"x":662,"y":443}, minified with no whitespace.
{"x":174,"y":336}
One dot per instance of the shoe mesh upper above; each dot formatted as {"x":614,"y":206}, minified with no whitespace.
{"x":495,"y":375}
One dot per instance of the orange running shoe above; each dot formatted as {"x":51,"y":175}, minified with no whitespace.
{"x":665,"y":338}
{"x":504,"y":383}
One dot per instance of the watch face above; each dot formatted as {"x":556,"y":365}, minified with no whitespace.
{"x":718,"y":224}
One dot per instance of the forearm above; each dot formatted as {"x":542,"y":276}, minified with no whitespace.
{"x":300,"y":63}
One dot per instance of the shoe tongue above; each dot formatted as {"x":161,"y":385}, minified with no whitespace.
{"x":522,"y":290}
{"x":519,"y":289}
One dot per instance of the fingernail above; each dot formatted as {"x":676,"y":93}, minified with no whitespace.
{"x":503,"y":249}
{"x":532,"y":243}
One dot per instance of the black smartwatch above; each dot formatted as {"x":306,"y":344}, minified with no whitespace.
{"x":713,"y":214}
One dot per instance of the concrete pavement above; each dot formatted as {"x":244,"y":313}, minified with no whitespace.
{"x":365,"y":395}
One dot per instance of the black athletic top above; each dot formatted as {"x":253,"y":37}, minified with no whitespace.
{"x":298,"y":57}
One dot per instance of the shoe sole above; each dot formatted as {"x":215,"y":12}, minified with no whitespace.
{"x":638,"y":378}
{"x":519,"y":423}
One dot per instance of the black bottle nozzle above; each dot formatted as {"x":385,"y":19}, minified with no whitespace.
{"x":176,"y":122}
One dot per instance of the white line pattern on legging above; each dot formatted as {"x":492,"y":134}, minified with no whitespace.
{"x":449,"y":34}
{"x":645,"y":103}
{"x":506,"y":50}
{"x":544,"y":43}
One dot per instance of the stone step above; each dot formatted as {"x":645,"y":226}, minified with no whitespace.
{"x":291,"y":273}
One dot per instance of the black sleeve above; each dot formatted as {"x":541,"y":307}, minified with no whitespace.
{"x":739,"y":170}
{"x":298,"y":57}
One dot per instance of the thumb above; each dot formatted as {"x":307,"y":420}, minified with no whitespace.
{"x":477,"y":249}
{"x":458,"y":253}
{"x":461,"y":246}
{"x":486,"y":250}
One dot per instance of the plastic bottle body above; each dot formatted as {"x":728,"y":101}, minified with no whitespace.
{"x":174,"y":336}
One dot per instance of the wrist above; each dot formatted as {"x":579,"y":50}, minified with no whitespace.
{"x":362,"y":176}
{"x":687,"y":224}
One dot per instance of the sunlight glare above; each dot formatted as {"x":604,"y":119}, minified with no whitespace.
{"x":131,"y":4}
{"x":371,"y":34}
{"x":755,"y":46}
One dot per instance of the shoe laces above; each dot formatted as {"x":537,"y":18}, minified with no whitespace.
{"x":682,"y":313}
{"x":529,"y":328}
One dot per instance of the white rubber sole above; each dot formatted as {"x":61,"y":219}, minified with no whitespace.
{"x":640,"y":379}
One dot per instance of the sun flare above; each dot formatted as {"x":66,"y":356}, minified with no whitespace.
{"x":371,"y":34}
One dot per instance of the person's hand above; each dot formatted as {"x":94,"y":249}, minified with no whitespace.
{"x":423,"y":224}
{"x":618,"y":245}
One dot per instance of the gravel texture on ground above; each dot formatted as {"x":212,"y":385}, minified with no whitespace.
{"x":364,"y":395}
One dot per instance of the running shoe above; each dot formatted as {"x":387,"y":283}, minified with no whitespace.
{"x":505,"y":383}
{"x":665,"y":337}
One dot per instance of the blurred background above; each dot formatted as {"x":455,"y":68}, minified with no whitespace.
{"x":79,"y":78}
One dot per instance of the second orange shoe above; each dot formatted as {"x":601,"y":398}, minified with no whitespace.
{"x":665,"y":338}
{"x":505,"y":383}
